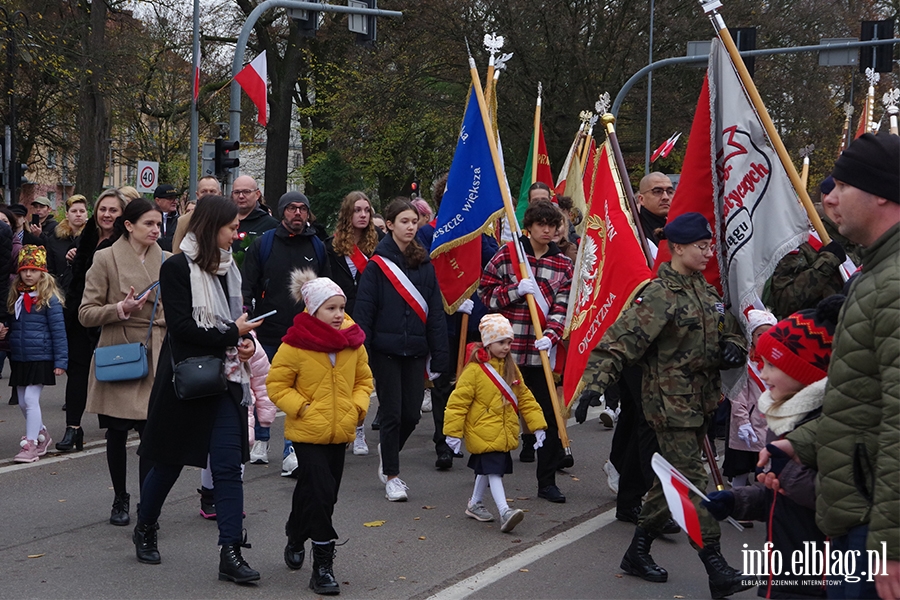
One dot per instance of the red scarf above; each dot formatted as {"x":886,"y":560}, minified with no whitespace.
{"x":309,"y":333}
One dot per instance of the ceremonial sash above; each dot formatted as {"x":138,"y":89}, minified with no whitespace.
{"x":403,"y":286}
{"x":753,"y":371}
{"x":847,"y":268}
{"x":501,"y":384}
{"x":358,"y":259}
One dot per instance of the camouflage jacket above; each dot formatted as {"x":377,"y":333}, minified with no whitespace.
{"x":803,"y":278}
{"x":673,"y":331}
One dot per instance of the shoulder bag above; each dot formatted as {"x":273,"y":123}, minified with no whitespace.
{"x":198,"y":376}
{"x":124,"y":362}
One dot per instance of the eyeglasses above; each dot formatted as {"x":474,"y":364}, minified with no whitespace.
{"x":659,"y":191}
{"x":703,"y":248}
{"x":243,"y":192}
{"x":294,"y":208}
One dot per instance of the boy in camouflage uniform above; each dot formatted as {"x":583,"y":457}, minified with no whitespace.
{"x":681,"y":335}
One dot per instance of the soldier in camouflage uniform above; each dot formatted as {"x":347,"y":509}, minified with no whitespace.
{"x":681,"y":335}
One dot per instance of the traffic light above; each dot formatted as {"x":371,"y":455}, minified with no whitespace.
{"x":745,"y":40}
{"x":19,"y":176}
{"x":221,"y":161}
{"x":414,"y":190}
{"x":877,"y":57}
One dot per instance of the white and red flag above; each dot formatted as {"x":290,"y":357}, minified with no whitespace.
{"x":254,"y":79}
{"x":666,"y":147}
{"x":677,"y":489}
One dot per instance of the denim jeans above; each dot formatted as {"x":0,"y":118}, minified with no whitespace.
{"x":855,"y":539}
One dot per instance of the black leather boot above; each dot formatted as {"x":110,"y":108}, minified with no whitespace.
{"x":723,"y":579}
{"x":637,"y":560}
{"x":72,"y":440}
{"x":526,"y":455}
{"x":233,"y":567}
{"x":145,"y":547}
{"x":294,"y":552}
{"x":119,"y":513}
{"x":322,"y":580}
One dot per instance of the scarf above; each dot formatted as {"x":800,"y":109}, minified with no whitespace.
{"x":25,"y":300}
{"x":783,"y":418}
{"x":309,"y":333}
{"x":210,"y":308}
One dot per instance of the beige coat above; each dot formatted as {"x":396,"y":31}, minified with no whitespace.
{"x":114,"y":271}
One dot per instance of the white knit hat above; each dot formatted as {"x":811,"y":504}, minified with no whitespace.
{"x":758,"y":318}
{"x":314,"y":291}
{"x":494,"y":328}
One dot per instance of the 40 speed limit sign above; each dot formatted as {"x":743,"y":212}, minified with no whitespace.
{"x":147,"y":175}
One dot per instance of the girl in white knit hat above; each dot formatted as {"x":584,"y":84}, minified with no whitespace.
{"x":484,"y":409}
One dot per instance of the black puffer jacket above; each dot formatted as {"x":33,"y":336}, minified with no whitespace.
{"x":389,"y":322}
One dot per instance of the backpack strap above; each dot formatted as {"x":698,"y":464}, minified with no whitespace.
{"x":265,"y":246}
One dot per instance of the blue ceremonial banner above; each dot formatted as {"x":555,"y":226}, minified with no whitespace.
{"x":472,"y":199}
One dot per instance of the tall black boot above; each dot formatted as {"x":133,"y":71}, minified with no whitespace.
{"x":637,"y":560}
{"x":233,"y":567}
{"x":322,"y":580}
{"x":144,"y":539}
{"x":723,"y":579}
{"x":119,"y":513}
{"x":294,"y":552}
{"x":72,"y":440}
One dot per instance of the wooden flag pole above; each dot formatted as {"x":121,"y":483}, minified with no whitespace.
{"x":461,"y":354}
{"x":804,"y":173}
{"x":848,"y":112}
{"x":536,"y":135}
{"x":511,"y":215}
{"x":711,"y":8}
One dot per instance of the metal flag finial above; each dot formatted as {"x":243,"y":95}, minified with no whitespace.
{"x":872,"y":76}
{"x":848,"y":110}
{"x":585,"y":116}
{"x":493,"y":43}
{"x":807,"y":150}
{"x":501,"y":61}
{"x":540,"y":89}
{"x":890,"y":100}
{"x":602,"y":105}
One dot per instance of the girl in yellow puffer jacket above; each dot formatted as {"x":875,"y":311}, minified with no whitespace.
{"x":484,"y":408}
{"x":320,"y":378}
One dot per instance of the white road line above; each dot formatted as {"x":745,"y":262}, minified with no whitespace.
{"x":511,"y":565}
{"x":100,"y":449}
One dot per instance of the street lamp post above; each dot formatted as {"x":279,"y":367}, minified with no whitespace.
{"x":11,"y":61}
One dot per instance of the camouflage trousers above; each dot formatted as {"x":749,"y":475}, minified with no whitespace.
{"x":681,"y":447}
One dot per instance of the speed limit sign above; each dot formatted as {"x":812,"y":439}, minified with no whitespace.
{"x":147,"y":175}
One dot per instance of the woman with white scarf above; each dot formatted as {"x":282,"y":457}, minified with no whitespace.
{"x":201,"y":288}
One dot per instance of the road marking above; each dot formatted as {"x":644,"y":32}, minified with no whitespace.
{"x":512,"y":564}
{"x":100,"y":449}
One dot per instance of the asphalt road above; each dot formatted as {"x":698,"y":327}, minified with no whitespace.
{"x":56,"y":542}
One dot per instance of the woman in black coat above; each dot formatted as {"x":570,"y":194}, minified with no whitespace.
{"x":400,"y":335}
{"x":201,"y":290}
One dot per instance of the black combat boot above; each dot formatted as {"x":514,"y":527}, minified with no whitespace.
{"x":144,"y":539}
{"x":322,"y":580}
{"x":723,"y":579}
{"x":294,"y":552}
{"x":119,"y":513}
{"x":233,"y":567}
{"x":637,"y":560}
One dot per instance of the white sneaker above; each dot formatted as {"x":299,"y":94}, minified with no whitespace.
{"x":289,"y":464}
{"x":259,"y":454}
{"x":359,"y":444}
{"x":426,"y":401}
{"x":612,"y":477}
{"x":608,"y":418}
{"x":510,"y":518}
{"x":381,"y":476}
{"x":479,"y":512}
{"x":395,"y":490}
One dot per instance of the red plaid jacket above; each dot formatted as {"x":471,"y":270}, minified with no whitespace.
{"x":498,"y":291}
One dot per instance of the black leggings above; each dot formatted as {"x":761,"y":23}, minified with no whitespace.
{"x":117,"y":458}
{"x":81,"y":348}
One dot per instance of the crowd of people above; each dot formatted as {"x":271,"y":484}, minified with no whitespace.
{"x":234,"y":309}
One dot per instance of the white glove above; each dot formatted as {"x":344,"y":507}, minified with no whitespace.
{"x":545,"y":343}
{"x":528,"y":286}
{"x":540,"y":435}
{"x":454,"y":443}
{"x":466,"y":307}
{"x":747,"y":435}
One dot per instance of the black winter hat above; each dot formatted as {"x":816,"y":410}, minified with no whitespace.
{"x":872,"y":164}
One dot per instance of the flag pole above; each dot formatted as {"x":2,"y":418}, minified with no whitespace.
{"x":511,"y":215}
{"x":710,"y":7}
{"x":461,"y":354}
{"x":537,"y":135}
{"x":609,"y":121}
{"x":587,"y":144}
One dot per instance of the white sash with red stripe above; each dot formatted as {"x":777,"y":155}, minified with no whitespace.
{"x":753,"y":371}
{"x":501,"y":384}
{"x":357,"y":260}
{"x":847,"y":268}
{"x":403,"y":285}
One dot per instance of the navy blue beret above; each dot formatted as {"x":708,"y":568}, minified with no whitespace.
{"x":688,"y":228}
{"x":827,"y":185}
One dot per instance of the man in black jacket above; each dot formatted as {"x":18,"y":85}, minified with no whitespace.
{"x":254,"y":220}
{"x":166,"y":198}
{"x":267,"y":268}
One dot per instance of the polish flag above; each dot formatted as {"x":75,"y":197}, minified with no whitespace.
{"x":666,"y":147}
{"x":254,"y":80}
{"x":676,"y":487}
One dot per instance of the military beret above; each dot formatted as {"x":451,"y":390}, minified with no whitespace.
{"x":688,"y":228}
{"x":872,"y":164}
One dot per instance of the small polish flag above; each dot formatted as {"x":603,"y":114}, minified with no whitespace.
{"x":254,"y":80}
{"x":676,"y":487}
{"x":666,"y":147}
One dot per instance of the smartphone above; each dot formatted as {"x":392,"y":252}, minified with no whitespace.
{"x":261,"y":317}
{"x":35,"y":219}
{"x":144,"y":291}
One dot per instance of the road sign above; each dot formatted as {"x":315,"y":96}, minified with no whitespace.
{"x":148,"y":175}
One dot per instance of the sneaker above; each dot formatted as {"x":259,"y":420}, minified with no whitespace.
{"x":28,"y":453}
{"x":395,"y":490}
{"x":381,"y":476}
{"x":608,"y":418}
{"x":612,"y":477}
{"x":510,"y":518}
{"x":259,"y":454}
{"x":43,"y":442}
{"x":359,"y":444}
{"x":426,"y":402}
{"x":478,"y":512}
{"x":289,"y":464}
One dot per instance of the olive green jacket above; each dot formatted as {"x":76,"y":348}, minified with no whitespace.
{"x":855,"y":444}
{"x":673,"y":330}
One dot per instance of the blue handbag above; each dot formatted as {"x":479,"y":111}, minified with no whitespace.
{"x":124,"y":362}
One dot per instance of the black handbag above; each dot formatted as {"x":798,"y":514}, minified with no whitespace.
{"x":198,"y":376}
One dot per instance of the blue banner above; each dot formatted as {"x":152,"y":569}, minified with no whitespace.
{"x":472,"y":198}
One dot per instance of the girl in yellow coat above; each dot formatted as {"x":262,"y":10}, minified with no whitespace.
{"x":320,"y":378}
{"x":484,"y":408}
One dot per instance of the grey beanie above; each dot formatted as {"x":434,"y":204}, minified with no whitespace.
{"x":289,"y":198}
